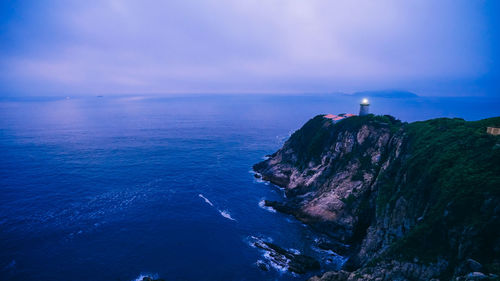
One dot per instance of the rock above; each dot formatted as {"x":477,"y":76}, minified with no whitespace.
{"x":473,"y":265}
{"x":297,"y":263}
{"x":332,"y":276}
{"x":397,"y":193}
{"x":335,"y":246}
{"x":302,"y":166}
{"x":302,"y":264}
{"x":476,"y":276}
{"x":281,"y":207}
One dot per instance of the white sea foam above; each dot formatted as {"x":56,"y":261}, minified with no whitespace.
{"x":260,"y":180}
{"x":262,"y":204}
{"x":226,"y":214}
{"x":150,"y":275}
{"x":262,"y":265}
{"x":251,"y":240}
{"x":206,"y":200}
{"x":279,"y":265}
{"x":223,"y":213}
{"x":254,"y":173}
{"x":271,"y":258}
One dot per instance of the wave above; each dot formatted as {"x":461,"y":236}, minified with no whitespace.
{"x":252,"y":240}
{"x":226,"y":214}
{"x":280,"y":264}
{"x":271,"y":258}
{"x":257,"y":180}
{"x":206,"y":200}
{"x":150,"y":275}
{"x":223,"y":213}
{"x":262,"y":204}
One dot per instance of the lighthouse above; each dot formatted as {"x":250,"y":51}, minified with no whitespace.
{"x":364,"y":107}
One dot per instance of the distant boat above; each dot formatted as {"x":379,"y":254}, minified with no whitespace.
{"x":100,"y":96}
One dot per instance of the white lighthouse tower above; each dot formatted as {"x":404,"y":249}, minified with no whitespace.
{"x":364,"y":107}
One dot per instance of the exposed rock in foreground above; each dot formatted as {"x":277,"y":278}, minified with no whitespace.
{"x":293,"y":262}
{"x":415,"y":201}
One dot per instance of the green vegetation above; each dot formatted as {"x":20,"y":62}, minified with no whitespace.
{"x":438,"y":197}
{"x":452,"y":170}
{"x":310,"y":141}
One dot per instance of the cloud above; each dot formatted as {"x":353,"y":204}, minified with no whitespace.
{"x":242,"y":46}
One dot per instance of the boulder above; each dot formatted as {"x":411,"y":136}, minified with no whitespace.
{"x":476,"y":276}
{"x":473,"y":265}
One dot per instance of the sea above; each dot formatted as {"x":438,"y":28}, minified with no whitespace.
{"x":121,"y":187}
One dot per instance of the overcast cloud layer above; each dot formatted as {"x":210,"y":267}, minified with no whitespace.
{"x":446,"y":47}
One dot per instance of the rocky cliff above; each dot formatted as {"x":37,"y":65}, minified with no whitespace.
{"x":414,"y":201}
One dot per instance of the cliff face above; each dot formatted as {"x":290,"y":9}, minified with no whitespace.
{"x":414,"y":201}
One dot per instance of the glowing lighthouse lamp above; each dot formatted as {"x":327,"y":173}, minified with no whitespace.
{"x":364,"y":107}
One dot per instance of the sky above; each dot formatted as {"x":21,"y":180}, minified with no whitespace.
{"x":66,"y":47}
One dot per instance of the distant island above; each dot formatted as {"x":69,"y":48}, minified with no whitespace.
{"x":386,"y":94}
{"x":403,"y":201}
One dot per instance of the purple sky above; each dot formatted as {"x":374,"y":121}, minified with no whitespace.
{"x":445,"y":47}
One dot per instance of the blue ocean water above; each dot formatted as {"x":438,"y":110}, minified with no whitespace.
{"x":113,"y":188}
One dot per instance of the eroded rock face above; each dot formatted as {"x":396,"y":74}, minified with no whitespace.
{"x":372,"y":182}
{"x":387,"y":271}
{"x":345,"y":164}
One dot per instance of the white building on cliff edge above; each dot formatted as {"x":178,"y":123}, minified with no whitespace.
{"x":363,"y":110}
{"x":364,"y":107}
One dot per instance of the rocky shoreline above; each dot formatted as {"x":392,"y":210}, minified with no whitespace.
{"x":388,"y":196}
{"x":293,"y":262}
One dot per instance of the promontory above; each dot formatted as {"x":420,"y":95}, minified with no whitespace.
{"x":411,"y":201}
